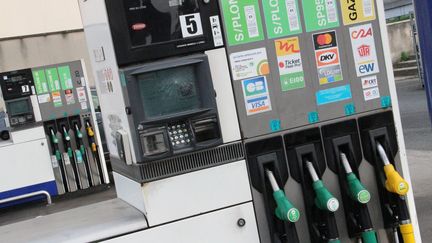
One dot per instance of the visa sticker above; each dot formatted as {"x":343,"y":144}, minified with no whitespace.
{"x":257,"y":98}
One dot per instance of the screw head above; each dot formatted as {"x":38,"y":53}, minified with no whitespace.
{"x":241,"y":222}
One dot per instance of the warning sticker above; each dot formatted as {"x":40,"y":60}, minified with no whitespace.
{"x":216,"y":31}
{"x":251,"y":63}
{"x":363,"y":45}
{"x":320,"y":14}
{"x":282,"y":18}
{"x":357,"y":11}
{"x":290,"y":64}
{"x":81,"y":93}
{"x":70,"y":99}
{"x":242,"y":21}
{"x":327,"y":57}
{"x":257,"y":99}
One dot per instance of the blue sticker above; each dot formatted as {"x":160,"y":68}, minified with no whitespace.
{"x":313,"y":117}
{"x":275,"y":125}
{"x":385,"y":101}
{"x":350,"y":109}
{"x":332,"y":95}
{"x":255,"y":86}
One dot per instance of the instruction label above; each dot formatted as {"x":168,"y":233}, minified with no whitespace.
{"x":290,"y":63}
{"x":53,"y":79}
{"x":242,"y":21}
{"x":320,"y":14}
{"x":332,"y":95}
{"x":216,"y":31}
{"x":357,"y":11}
{"x":65,"y":77}
{"x":56,"y":98}
{"x":251,"y":63}
{"x":363,"y":45}
{"x":282,"y":18}
{"x":69,"y":96}
{"x":40,"y":82}
{"x":327,"y":57}
{"x":256,"y":94}
{"x":81,"y":93}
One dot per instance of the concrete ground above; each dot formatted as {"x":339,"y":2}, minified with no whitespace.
{"x":418,"y":138}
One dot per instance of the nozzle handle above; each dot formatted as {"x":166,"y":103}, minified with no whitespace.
{"x":369,"y":237}
{"x":285,"y":210}
{"x":407,"y":233}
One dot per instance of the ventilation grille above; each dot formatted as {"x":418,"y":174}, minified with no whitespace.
{"x":191,"y":162}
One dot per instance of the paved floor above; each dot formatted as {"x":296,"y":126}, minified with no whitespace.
{"x":418,"y":135}
{"x":418,"y":138}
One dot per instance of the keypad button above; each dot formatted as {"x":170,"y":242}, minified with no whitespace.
{"x":188,"y":140}
{"x":186,"y":135}
{"x":178,"y":142}
{"x":175,"y":132}
{"x":181,"y":136}
{"x":182,"y":141}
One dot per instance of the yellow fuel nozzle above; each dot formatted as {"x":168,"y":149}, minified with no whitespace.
{"x":90,"y":131}
{"x":94,"y":147}
{"x":394,"y":183}
{"x":407,"y":232}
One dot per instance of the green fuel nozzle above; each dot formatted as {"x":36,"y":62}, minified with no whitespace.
{"x":285,"y":210}
{"x":78,"y":132}
{"x":357,"y":191}
{"x":54,"y":138}
{"x":324,"y":200}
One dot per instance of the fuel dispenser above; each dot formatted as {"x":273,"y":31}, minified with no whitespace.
{"x":272,"y":96}
{"x":53,"y":145}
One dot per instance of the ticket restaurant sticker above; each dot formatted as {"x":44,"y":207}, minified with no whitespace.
{"x":363,"y":45}
{"x":290,"y":64}
{"x":250,"y":63}
{"x":282,"y":18}
{"x":327,"y":57}
{"x":357,"y":11}
{"x":256,"y":95}
{"x":242,"y":21}
{"x":320,"y":14}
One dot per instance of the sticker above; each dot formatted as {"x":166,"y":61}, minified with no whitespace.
{"x":56,"y":98}
{"x":84,"y":106}
{"x":313,"y":117}
{"x":275,"y":125}
{"x":66,"y":159}
{"x":332,"y":95}
{"x":386,"y":101}
{"x":257,"y":99}
{"x":81,"y":93}
{"x":54,"y":161}
{"x":350,"y":109}
{"x":371,"y":94}
{"x":357,"y":11}
{"x":290,"y":64}
{"x":369,"y":82}
{"x":282,"y":18}
{"x":242,"y":21}
{"x":320,"y":14}
{"x":53,"y":79}
{"x":44,"y":98}
{"x":251,"y":63}
{"x":363,"y":45}
{"x":191,"y":25}
{"x":216,"y":31}
{"x":40,"y":81}
{"x":65,"y":77}
{"x":105,"y":78}
{"x":70,"y":99}
{"x":327,"y":57}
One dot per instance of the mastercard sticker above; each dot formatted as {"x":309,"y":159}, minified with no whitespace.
{"x":327,"y":57}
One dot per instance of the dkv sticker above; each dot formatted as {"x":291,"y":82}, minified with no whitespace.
{"x":290,"y":64}
{"x":257,"y":98}
{"x":363,"y":47}
{"x":327,"y":57}
{"x":251,"y":63}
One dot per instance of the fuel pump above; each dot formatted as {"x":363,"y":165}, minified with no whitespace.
{"x":67,"y":154}
{"x":56,"y":160}
{"x":344,"y":157}
{"x":307,"y":165}
{"x":397,"y":185}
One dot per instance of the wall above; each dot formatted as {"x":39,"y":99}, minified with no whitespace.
{"x":31,"y":17}
{"x":400,"y":39}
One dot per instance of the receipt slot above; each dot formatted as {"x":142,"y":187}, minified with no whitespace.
{"x":308,"y":168}
{"x":269,"y":173}
{"x":344,"y":157}
{"x":380,"y":147}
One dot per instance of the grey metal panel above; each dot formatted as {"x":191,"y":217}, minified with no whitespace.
{"x":90,"y":223}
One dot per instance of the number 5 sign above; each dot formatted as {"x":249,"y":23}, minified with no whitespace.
{"x":191,"y":25}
